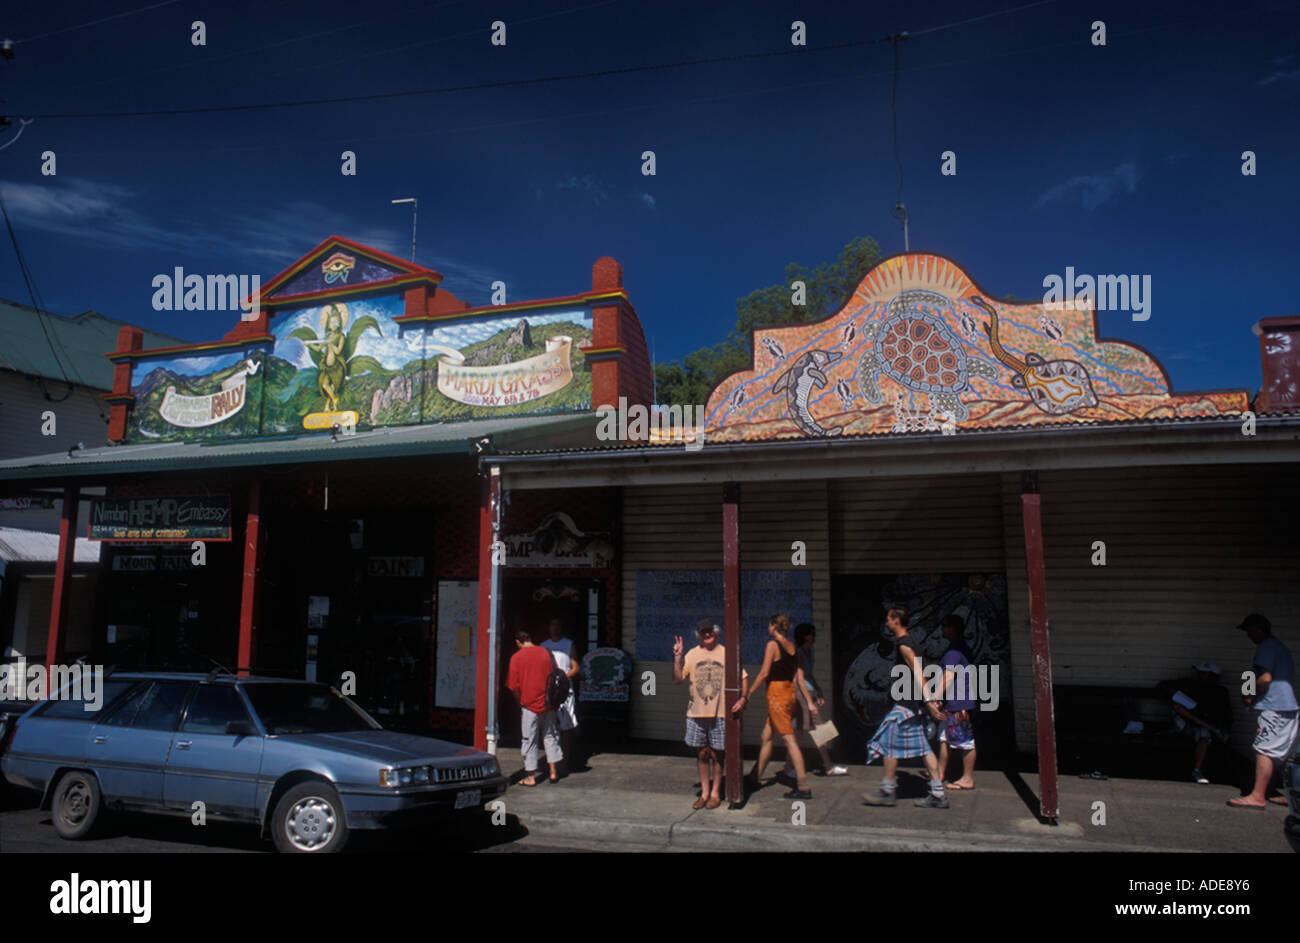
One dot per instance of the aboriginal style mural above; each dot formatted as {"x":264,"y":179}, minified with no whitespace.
{"x":920,"y":348}
{"x":355,"y":360}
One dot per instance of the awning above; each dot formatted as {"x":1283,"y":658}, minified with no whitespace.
{"x":455,"y":438}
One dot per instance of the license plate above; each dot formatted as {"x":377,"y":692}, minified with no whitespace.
{"x":469,"y":798}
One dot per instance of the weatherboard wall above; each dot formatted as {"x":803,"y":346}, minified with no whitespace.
{"x":1189,"y":552}
{"x":680,"y":528}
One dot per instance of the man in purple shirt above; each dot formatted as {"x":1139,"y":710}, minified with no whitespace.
{"x":959,"y":688}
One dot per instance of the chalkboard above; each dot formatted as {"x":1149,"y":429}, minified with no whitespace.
{"x":671,"y":602}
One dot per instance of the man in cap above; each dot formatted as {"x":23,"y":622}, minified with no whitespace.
{"x":1202,"y":711}
{"x":1274,"y":700}
{"x":705,"y":667}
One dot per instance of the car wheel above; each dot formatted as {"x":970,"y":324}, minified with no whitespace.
{"x":309,"y":818}
{"x":76,"y":804}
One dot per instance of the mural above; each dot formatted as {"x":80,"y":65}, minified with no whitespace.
{"x":863,"y":648}
{"x":197,"y":397}
{"x":353,"y":362}
{"x":919,"y":348}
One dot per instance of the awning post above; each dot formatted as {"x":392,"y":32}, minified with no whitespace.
{"x":58,"y":633}
{"x":731,"y":636}
{"x":1040,"y":646}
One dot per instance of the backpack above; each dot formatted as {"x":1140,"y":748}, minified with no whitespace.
{"x":557,"y":688}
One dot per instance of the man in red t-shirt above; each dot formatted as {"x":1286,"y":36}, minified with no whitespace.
{"x":530,"y":667}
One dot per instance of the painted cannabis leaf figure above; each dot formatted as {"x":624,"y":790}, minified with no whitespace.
{"x":334,"y":354}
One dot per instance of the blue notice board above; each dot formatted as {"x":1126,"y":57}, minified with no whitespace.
{"x":671,"y":602}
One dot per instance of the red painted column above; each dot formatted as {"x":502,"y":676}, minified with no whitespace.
{"x":1040,"y":646}
{"x":488,"y":495}
{"x":251,"y":583}
{"x":58,"y":634}
{"x":731,"y":635}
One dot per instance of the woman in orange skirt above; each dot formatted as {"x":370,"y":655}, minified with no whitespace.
{"x":781,"y":671}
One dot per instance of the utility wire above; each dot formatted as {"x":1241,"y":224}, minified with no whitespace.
{"x":38,"y":305}
{"x":22,"y":124}
{"x":115,"y":16}
{"x":540,"y":80}
{"x":478,"y":86}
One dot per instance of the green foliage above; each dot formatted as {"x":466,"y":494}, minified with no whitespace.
{"x":828,"y":287}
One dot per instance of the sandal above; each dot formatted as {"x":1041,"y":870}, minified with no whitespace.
{"x":1238,"y":804}
{"x":1277,"y":800}
{"x":957,"y":788}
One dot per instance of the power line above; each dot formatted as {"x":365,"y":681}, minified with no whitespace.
{"x":38,"y":305}
{"x":985,"y":16}
{"x":514,"y":83}
{"x":478,"y":86}
{"x":115,"y":16}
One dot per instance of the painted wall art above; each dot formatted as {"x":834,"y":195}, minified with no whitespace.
{"x":351,"y":362}
{"x":920,"y":348}
{"x":863,"y":648}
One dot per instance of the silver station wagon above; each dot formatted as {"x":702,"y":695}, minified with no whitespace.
{"x":294,"y":757}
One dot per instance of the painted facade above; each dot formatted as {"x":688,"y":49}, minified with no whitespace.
{"x":921,"y":348}
{"x":350,"y":353}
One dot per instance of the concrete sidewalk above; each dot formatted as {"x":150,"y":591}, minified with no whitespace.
{"x":626,"y":798}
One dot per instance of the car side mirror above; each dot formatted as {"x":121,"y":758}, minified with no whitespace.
{"x":240,"y":728}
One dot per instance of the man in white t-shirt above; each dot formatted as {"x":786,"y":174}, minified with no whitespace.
{"x":561,"y":649}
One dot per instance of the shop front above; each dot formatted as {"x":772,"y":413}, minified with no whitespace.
{"x":303,"y":497}
{"x":931,"y":447}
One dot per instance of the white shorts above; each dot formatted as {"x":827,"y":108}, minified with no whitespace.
{"x":1276,"y":734}
{"x":568,"y":714}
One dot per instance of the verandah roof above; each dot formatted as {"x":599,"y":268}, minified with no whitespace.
{"x":453,"y":438}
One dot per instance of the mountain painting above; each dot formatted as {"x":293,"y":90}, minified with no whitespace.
{"x":355,"y":356}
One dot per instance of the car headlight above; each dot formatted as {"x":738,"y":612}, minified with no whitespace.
{"x":421,"y":776}
{"x":492,"y":767}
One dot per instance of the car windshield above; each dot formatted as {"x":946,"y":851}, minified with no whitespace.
{"x":306,"y":708}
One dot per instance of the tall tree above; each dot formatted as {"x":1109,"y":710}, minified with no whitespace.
{"x":827,"y":289}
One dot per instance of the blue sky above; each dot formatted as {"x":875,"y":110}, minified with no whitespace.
{"x":1117,"y":159}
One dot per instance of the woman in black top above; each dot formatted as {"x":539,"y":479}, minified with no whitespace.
{"x":781,"y":671}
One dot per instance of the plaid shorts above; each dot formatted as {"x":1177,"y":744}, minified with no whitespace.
{"x":706,"y":732}
{"x":900,"y":735}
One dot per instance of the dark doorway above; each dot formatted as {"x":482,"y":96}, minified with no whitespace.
{"x":530,"y":603}
{"x":862,"y":651}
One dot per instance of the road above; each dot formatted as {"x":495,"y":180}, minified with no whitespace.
{"x":25,"y":829}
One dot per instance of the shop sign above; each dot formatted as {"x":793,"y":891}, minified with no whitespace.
{"x":151,"y":563}
{"x":395,"y":566}
{"x":203,"y":517}
{"x":606,"y":674}
{"x":557,"y":543}
{"x":24,"y":504}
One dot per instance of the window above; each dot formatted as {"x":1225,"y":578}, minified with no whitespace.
{"x":305,"y":708}
{"x":154,"y":706}
{"x":213,"y":708}
{"x":87,"y":708}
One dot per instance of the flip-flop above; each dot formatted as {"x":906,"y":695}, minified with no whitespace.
{"x":1277,"y":800}
{"x":1242,"y":805}
{"x":956,"y":788}
{"x":527,"y":785}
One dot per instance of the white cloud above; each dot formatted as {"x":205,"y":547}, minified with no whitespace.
{"x":647,"y":199}
{"x":101,"y":214}
{"x":1093,"y":191}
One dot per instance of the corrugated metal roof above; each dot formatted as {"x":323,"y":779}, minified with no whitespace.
{"x":1003,"y":432}
{"x":394,"y":441}
{"x":33,"y":546}
{"x":81,"y":341}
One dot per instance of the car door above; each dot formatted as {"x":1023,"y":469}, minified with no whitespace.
{"x":128,"y":748}
{"x":215,"y":756}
